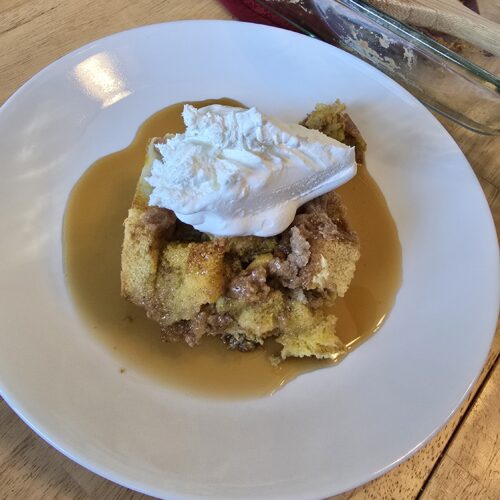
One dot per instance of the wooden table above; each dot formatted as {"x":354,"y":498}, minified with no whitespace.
{"x":462,"y":461}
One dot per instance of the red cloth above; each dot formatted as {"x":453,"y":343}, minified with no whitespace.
{"x":253,"y":12}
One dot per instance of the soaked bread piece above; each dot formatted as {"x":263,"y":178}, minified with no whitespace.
{"x":333,"y":121}
{"x":245,"y":290}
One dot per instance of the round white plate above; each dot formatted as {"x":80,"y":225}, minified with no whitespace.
{"x":327,"y":431}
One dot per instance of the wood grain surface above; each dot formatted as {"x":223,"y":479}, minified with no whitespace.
{"x":462,"y":461}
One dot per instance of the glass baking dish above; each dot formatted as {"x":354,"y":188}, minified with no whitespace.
{"x":440,"y":78}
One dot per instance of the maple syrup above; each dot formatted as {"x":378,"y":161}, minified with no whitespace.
{"x":93,"y":234}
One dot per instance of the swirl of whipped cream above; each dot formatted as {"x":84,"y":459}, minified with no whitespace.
{"x":237,"y":172}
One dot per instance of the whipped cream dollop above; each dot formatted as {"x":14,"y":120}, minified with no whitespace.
{"x":237,"y":172}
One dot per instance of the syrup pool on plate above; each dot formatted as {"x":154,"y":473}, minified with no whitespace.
{"x":93,"y":234}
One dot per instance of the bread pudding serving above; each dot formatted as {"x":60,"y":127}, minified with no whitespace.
{"x":235,"y":230}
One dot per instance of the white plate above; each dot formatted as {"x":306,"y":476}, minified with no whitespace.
{"x":327,"y":431}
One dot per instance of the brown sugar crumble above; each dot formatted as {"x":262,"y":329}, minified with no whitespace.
{"x":244,"y":290}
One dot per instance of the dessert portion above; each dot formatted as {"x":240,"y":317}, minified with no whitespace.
{"x":245,"y":288}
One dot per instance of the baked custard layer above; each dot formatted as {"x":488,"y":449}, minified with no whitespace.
{"x":244,"y":290}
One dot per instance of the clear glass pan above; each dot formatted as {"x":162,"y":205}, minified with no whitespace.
{"x":443,"y":80}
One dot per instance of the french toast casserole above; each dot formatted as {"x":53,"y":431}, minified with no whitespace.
{"x":246,"y":289}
